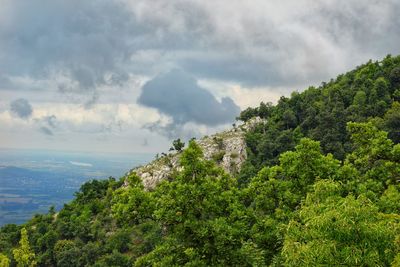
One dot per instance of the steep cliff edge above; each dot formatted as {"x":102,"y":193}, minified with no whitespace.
{"x":227,"y":149}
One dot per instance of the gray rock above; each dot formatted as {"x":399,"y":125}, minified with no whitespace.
{"x":227,"y":149}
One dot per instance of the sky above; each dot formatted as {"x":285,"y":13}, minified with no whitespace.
{"x":132,"y":75}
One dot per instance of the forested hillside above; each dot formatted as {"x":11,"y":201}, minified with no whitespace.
{"x":371,"y":92}
{"x":320,"y":187}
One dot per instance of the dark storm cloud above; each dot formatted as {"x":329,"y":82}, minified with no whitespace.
{"x":264,"y":43}
{"x":21,"y":108}
{"x":178,"y":95}
{"x":253,"y":43}
{"x":82,"y":40}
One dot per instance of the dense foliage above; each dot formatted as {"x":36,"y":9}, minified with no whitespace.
{"x":370,"y":92}
{"x":320,"y":188}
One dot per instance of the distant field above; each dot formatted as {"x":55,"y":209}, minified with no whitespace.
{"x":33,"y":181}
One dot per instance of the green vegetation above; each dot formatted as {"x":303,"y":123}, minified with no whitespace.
{"x":320,"y":187}
{"x":177,"y":145}
{"x":218,"y":156}
{"x":24,"y":255}
{"x":368,"y":93}
{"x":4,"y":261}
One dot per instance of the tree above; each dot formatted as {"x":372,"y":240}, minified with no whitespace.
{"x":381,"y":86}
{"x":4,"y":261}
{"x":276,"y":192}
{"x":359,"y":104}
{"x":306,"y":164}
{"x":132,"y":205}
{"x":24,"y":255}
{"x":389,"y":202}
{"x":392,"y":122}
{"x":331,"y":230}
{"x":373,"y":153}
{"x":66,"y":253}
{"x":360,"y":99}
{"x":247,"y":114}
{"x":395,"y":76}
{"x":177,"y":145}
{"x":203,"y":219}
{"x":114,"y":259}
{"x":289,"y":119}
{"x":264,"y":110}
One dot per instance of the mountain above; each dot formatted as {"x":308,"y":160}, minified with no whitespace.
{"x":314,"y":181}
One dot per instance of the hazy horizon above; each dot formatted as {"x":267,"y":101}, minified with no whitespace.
{"x":33,"y":180}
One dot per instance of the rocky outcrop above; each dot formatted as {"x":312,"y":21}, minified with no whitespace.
{"x":227,"y":149}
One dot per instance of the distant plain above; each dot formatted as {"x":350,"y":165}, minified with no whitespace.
{"x":31,"y":181}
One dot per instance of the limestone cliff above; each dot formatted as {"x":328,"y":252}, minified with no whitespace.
{"x":227,"y":149}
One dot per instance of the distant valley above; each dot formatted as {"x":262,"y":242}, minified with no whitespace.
{"x":32,"y":181}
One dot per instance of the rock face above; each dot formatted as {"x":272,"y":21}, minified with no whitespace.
{"x":227,"y":149}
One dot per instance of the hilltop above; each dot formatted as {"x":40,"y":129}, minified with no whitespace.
{"x":227,"y":149}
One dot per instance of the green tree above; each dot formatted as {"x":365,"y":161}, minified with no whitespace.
{"x":306,"y":164}
{"x":395,"y":76}
{"x":392,"y":122}
{"x":334,"y":231}
{"x":275,"y":193}
{"x":115,"y":259}
{"x":359,"y":105}
{"x":4,"y":261}
{"x":289,"y":119}
{"x":24,"y":255}
{"x":322,"y":113}
{"x":203,"y":219}
{"x":132,"y":205}
{"x":247,"y":114}
{"x":177,"y":145}
{"x":360,"y":99}
{"x":389,"y":202}
{"x":66,"y":253}
{"x":374,"y":154}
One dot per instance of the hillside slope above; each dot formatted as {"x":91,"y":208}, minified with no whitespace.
{"x":295,"y":202}
{"x":369,"y":93}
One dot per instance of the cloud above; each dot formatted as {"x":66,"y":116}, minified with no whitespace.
{"x":45,"y":130}
{"x":87,"y":44}
{"x":46,"y":124}
{"x":90,"y":53}
{"x":79,"y":44}
{"x":21,"y":108}
{"x":49,"y":123}
{"x":173,"y":130}
{"x":179,"y":96}
{"x":145,"y":142}
{"x":50,"y":120}
{"x":186,"y":131}
{"x":266,"y":43}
